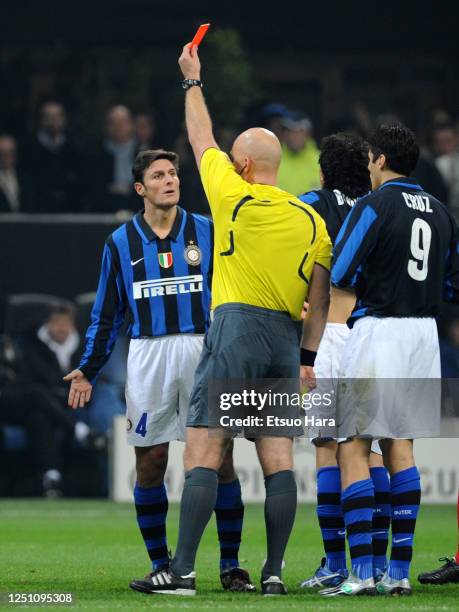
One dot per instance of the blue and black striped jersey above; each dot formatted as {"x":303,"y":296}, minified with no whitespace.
{"x":332,"y":206}
{"x":162,"y":286}
{"x":398,"y":248}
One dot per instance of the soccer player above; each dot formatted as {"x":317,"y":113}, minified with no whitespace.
{"x":344,"y":177}
{"x":156,"y":273}
{"x":449,"y":571}
{"x":399,"y":248}
{"x":270,"y":250}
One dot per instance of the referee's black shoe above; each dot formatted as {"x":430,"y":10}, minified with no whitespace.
{"x":273,"y":586}
{"x":446,"y":574}
{"x":165,"y":582}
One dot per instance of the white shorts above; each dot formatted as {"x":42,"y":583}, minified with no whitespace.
{"x":160,"y":377}
{"x":390,"y":379}
{"x":327,"y":368}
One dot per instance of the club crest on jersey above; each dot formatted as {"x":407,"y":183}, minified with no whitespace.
{"x":192,"y":254}
{"x":165,"y":260}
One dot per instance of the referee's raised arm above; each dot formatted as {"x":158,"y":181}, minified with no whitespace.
{"x":198,"y":121}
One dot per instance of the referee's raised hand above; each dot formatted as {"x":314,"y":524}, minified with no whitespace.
{"x":189,"y":62}
{"x":80,"y":389}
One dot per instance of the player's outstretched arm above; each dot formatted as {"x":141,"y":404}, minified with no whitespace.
{"x":80,"y":389}
{"x":107,"y":315}
{"x":315,"y":319}
{"x":197,"y":118}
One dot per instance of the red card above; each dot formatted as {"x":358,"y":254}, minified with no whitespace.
{"x":202,"y":31}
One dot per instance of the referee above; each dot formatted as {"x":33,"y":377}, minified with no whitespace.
{"x":271,"y":252}
{"x":156,"y":273}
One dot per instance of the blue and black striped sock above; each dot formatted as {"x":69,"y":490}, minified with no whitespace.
{"x":405,"y":487}
{"x":229,"y":511}
{"x":330,"y":515}
{"x":151,"y":505}
{"x":381,"y":518}
{"x":358,"y":507}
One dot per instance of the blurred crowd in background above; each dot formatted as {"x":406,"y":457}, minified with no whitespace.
{"x":49,"y":172}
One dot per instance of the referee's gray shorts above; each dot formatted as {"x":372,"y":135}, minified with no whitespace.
{"x":244,"y":342}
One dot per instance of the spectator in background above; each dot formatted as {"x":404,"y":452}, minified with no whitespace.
{"x":145,"y":131}
{"x":53,"y":349}
{"x":271,"y":116}
{"x":50,"y":429}
{"x":53,"y":162}
{"x":50,"y":353}
{"x":299,"y":169}
{"x":15,"y":189}
{"x":110,"y":187}
{"x":192,"y":196}
{"x":449,"y":350}
{"x":445,"y":143}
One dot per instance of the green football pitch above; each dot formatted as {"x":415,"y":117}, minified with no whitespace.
{"x":93,"y":548}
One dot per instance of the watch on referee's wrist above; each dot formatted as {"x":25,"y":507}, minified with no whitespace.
{"x":307,"y":358}
{"x":187,"y":83}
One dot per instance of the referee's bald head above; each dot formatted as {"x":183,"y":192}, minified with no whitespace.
{"x":256,"y":155}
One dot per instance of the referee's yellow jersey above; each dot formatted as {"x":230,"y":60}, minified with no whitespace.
{"x":266,"y":240}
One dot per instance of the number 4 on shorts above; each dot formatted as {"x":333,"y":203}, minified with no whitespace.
{"x":141,"y":428}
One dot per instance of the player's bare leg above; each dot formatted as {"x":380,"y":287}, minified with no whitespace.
{"x":276,"y":459}
{"x":227,"y":473}
{"x":326,"y":451}
{"x":151,"y":464}
{"x":353,"y":458}
{"x":405,"y":500}
{"x":229,"y":512}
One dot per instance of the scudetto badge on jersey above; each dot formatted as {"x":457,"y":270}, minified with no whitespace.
{"x":165,"y":260}
{"x":193,"y":255}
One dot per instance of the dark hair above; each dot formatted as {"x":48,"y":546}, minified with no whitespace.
{"x":398,"y":144}
{"x":145,"y":158}
{"x":344,"y":164}
{"x":61,"y":308}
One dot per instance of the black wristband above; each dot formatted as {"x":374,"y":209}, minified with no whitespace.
{"x":307,"y":358}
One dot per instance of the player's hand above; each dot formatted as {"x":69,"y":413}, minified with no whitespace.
{"x":308,"y":377}
{"x":80,"y":389}
{"x":189,"y":62}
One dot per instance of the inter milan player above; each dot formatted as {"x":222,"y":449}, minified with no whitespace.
{"x":156,"y":272}
{"x":399,"y":248}
{"x":344,"y":177}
